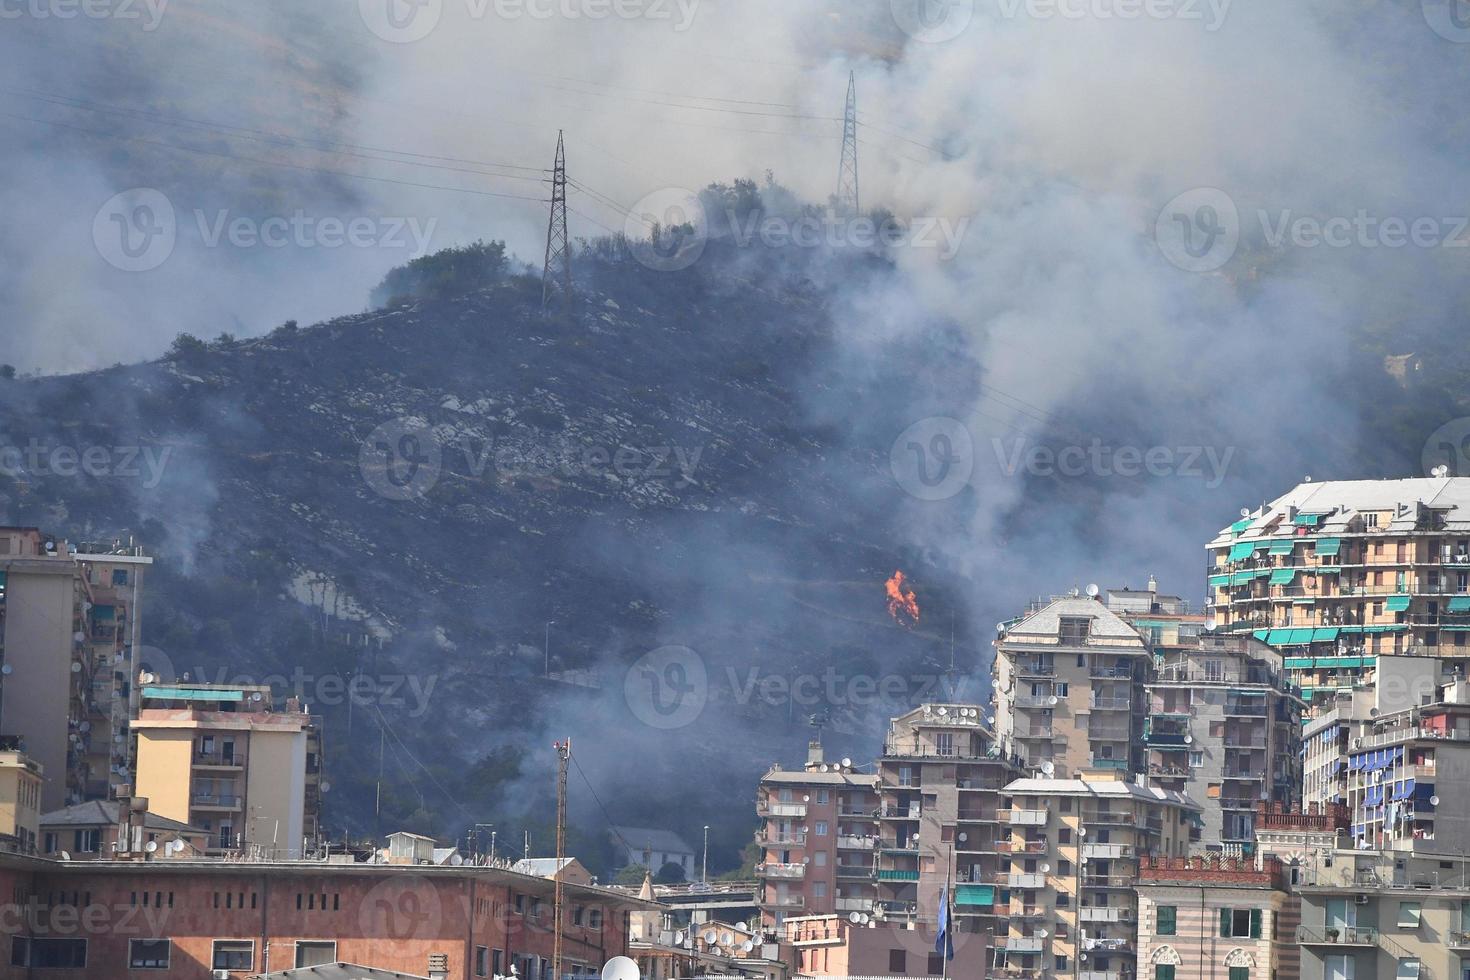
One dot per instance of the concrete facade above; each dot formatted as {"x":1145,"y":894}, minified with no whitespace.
{"x":1216,"y":918}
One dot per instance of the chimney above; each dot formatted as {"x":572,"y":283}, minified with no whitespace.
{"x":813,"y":754}
{"x":438,"y":966}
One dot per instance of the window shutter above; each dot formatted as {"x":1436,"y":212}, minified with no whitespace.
{"x":1255,"y":923}
{"x":1225,"y":922}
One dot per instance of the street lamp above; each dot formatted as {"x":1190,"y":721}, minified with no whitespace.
{"x":704,"y":870}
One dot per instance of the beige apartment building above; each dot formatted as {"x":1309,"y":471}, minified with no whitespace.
{"x":1074,"y":853}
{"x":1341,"y":574}
{"x":818,"y":839}
{"x":20,"y":801}
{"x":69,"y":623}
{"x":941,"y":778}
{"x":1068,"y":687}
{"x":224,"y":759}
{"x":1215,"y":918}
{"x":1224,"y":728}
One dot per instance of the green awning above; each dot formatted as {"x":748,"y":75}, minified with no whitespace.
{"x":1324,"y":633}
{"x":1307,"y":520}
{"x":191,"y":694}
{"x":1397,"y":603}
{"x":974,"y":894}
{"x":1307,"y":694}
{"x":1241,"y":578}
{"x":1276,"y":637}
{"x":1219,"y":581}
{"x":1328,"y":547}
{"x":1460,"y":603}
{"x":1241,"y":524}
{"x":1298,"y":663}
{"x":1282,"y":576}
{"x":1241,"y":550}
{"x":1299,"y":636}
{"x":1283,"y":547}
{"x":1350,"y":629}
{"x":1325,"y":570}
{"x":1261,"y":634}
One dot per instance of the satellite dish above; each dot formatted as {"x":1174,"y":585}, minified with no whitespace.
{"x":824,"y":767}
{"x":727,"y":939}
{"x":1189,"y":740}
{"x":1042,"y":934}
{"x":943,"y":711}
{"x":846,"y":764}
{"x":76,"y":668}
{"x":1211,"y":622}
{"x":620,"y":968}
{"x":1045,"y":868}
{"x":806,"y":799}
{"x":711,"y":937}
{"x":6,"y":670}
{"x":678,"y":939}
{"x":856,"y":918}
{"x":256,"y":696}
{"x":963,"y":838}
{"x":1440,"y":470}
{"x":326,"y":786}
{"x":1092,"y":590}
{"x":146,"y":677}
{"x":85,"y":726}
{"x":1000,"y":627}
{"x":747,"y":946}
{"x":1053,"y":700}
{"x":456,"y":860}
{"x":1434,"y":801}
{"x":1048,"y":768}
{"x":151,"y":846}
{"x":1245,"y":512}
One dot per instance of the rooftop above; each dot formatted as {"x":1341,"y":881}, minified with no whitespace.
{"x":1344,"y":498}
{"x":1110,"y":788}
{"x":96,"y":813}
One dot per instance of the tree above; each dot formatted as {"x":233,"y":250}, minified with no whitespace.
{"x":450,"y":272}
{"x":7,"y":371}
{"x":672,"y":873}
{"x":185,"y":344}
{"x":631,"y":876}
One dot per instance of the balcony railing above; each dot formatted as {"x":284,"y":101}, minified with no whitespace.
{"x":1026,"y":880}
{"x":901,"y":812}
{"x":783,"y":840}
{"x":1106,"y":852}
{"x":1336,"y":936}
{"x":1105,"y":913}
{"x":219,"y":759}
{"x":1024,"y":944}
{"x":783,"y":902}
{"x":776,"y":870}
{"x":210,"y":800}
{"x":1106,"y":673}
{"x":769,"y":809}
{"x":849,"y":842}
{"x":1035,"y":731}
{"x":1028,"y":818}
{"x":1111,"y":704}
{"x":1024,"y":669}
{"x":854,"y":871}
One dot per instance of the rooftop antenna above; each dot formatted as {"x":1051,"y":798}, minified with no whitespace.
{"x":558,"y":246}
{"x":848,"y":201}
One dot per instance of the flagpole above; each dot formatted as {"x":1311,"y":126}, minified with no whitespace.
{"x":947,"y":917}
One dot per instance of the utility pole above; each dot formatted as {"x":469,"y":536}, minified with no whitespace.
{"x":849,"y":204}
{"x":704,"y":867}
{"x":563,"y":754}
{"x":558,"y":245}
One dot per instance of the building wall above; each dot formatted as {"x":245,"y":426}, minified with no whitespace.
{"x":40,"y":611}
{"x":275,"y":791}
{"x":1368,"y":931}
{"x":1196,"y":949}
{"x":165,"y":771}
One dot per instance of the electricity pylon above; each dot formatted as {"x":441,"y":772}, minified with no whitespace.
{"x":558,"y":246}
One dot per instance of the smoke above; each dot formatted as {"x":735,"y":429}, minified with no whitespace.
{"x":1115,"y":394}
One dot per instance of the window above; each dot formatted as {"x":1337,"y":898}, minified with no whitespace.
{"x":823,"y":797}
{"x":1240,"y":973}
{"x":819,"y":889}
{"x":315,"y":953}
{"x":1240,"y":923}
{"x":482,"y":961}
{"x":820,"y":828}
{"x":148,"y":954}
{"x":896,"y":962}
{"x":1409,"y":914}
{"x":234,"y":954}
{"x":1064,"y":835}
{"x":1062,"y":963}
{"x":1196,"y":760}
{"x":1163,"y":971}
{"x":1408,"y":969}
{"x":497,"y":957}
{"x":936,"y":965}
{"x":86,"y":841}
{"x":48,"y":953}
{"x":820,"y":859}
{"x":1168,"y":920}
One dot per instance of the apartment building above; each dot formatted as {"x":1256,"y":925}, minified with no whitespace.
{"x":20,"y":800}
{"x":1215,"y":918}
{"x":941,"y":778}
{"x":1224,"y":728}
{"x":1167,"y":623}
{"x":111,"y":920}
{"x":224,"y":759}
{"x":1408,"y":777}
{"x":69,"y":622}
{"x":818,"y":839}
{"x":1074,"y":852}
{"x":1341,"y":574}
{"x":1068,"y":687}
{"x":832,"y":946}
{"x":1380,"y":916}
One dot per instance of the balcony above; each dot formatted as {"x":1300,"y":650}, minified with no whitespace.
{"x":1024,"y":669}
{"x":1024,"y":944}
{"x":852,"y":843}
{"x":218,"y":760}
{"x":1105,"y":913}
{"x":1109,"y":881}
{"x":1110,"y":818}
{"x":1167,"y":739}
{"x":783,"y":840}
{"x":783,"y":902}
{"x":211,"y":801}
{"x":1460,"y":940}
{"x":1036,"y":700}
{"x":1257,"y":742}
{"x":854,"y":905}
{"x":1238,"y":772}
{"x":768,"y":809}
{"x":1248,"y":709}
{"x":900,"y":812}
{"x":1101,"y":975}
{"x":773,"y":870}
{"x":1336,"y":936}
{"x":1111,"y":704}
{"x":1030,"y":847}
{"x":1034,"y":731}
{"x":1121,"y":671}
{"x":1028,"y":818}
{"x":854,"y":871}
{"x":1029,"y":911}
{"x":1105,"y":852}
{"x":888,"y":874}
{"x":1025,"y":880}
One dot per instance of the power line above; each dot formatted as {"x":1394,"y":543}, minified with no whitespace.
{"x":606,"y":816}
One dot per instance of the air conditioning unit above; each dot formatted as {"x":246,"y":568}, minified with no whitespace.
{"x":1360,"y":899}
{"x":221,"y":975}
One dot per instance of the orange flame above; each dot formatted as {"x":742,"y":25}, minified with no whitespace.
{"x":903,"y":605}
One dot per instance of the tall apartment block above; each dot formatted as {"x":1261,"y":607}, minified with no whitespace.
{"x":69,"y":621}
{"x":1340,"y":574}
{"x":1068,"y":687}
{"x":222,"y":758}
{"x":941,"y":778}
{"x":1224,"y":727}
{"x":818,"y":836}
{"x":1073,"y":861}
{"x":1166,"y":622}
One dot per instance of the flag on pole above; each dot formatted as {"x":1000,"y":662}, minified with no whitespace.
{"x":944,"y":942}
